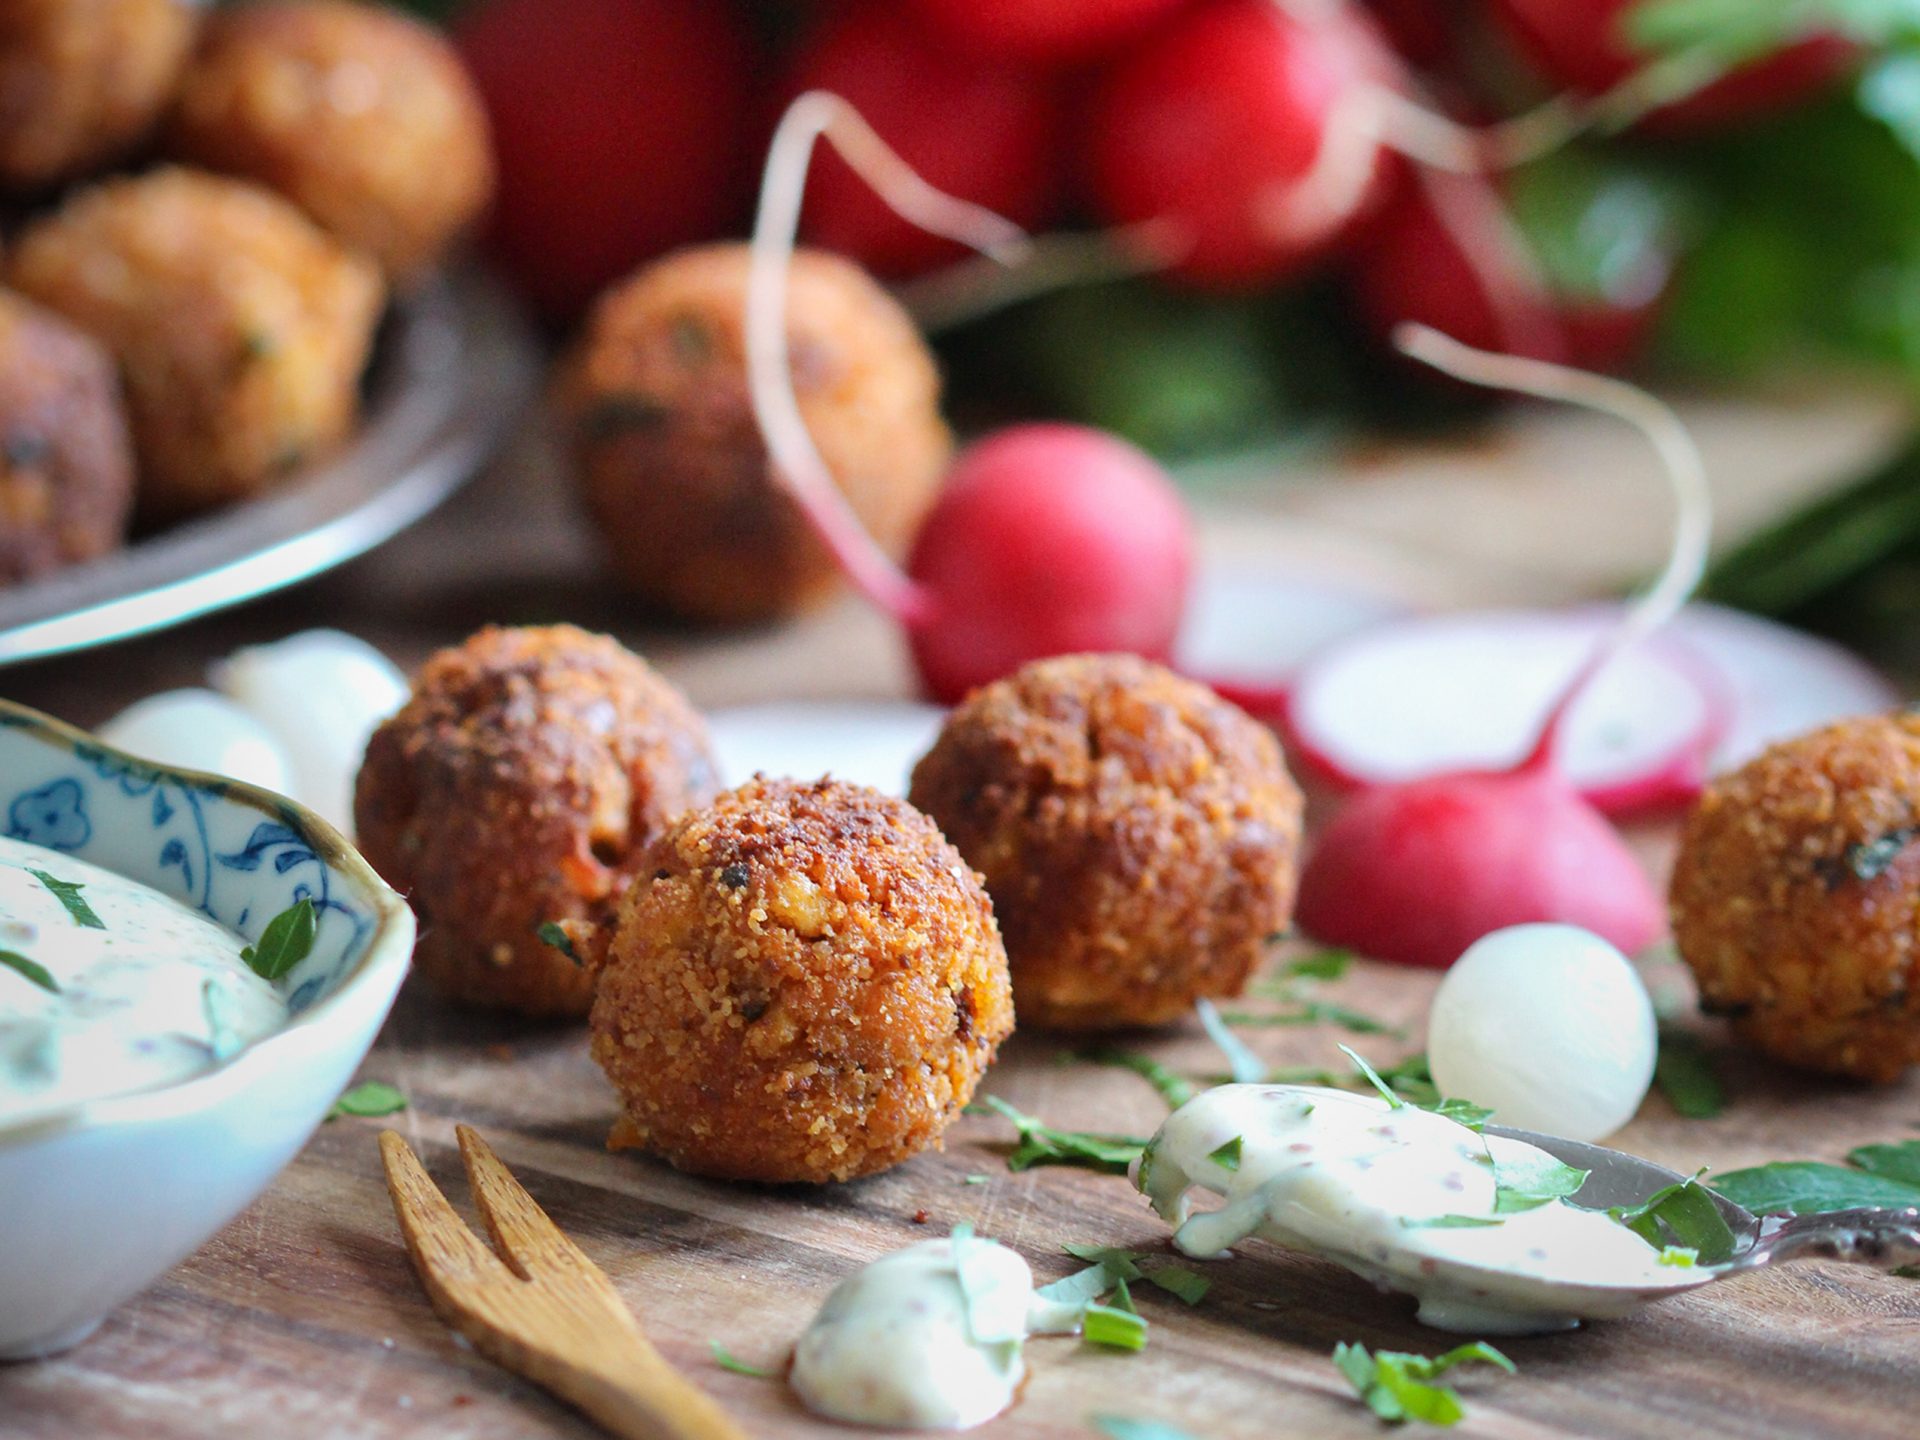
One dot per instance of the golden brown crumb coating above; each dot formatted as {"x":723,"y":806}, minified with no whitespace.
{"x":806,"y":985}
{"x":1139,"y":835}
{"x":240,"y":327}
{"x":520,"y":786}
{"x":81,"y":81}
{"x":1796,"y":898}
{"x":363,"y":117}
{"x":66,"y":465}
{"x":653,"y":402}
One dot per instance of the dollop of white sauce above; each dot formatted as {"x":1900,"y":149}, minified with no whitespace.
{"x":157,"y":994}
{"x":927,"y":1338}
{"x":1359,"y":1182}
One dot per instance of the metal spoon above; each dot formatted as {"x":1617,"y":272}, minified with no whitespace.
{"x":1459,"y":1295}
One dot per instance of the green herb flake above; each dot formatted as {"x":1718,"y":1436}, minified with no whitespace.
{"x":727,"y":1360}
{"x":1116,"y":1328}
{"x":1227,"y":1156}
{"x":1387,"y":1092}
{"x":1871,"y":859}
{"x":1175,"y":1089}
{"x":974,"y":1179}
{"x":217,"y":1005}
{"x":552,"y":932}
{"x":1042,"y":1144}
{"x":1395,"y":1385}
{"x":1453,"y":1222}
{"x":1319,"y":965}
{"x":1685,"y":1074}
{"x":1526,"y":1180}
{"x":1189,"y":1286}
{"x":1875,"y":1175}
{"x":1681,"y":1257}
{"x":1683,"y":1215}
{"x":370,"y":1099}
{"x":67,"y":892}
{"x":1128,"y":1427}
{"x":31,"y":970}
{"x":1121,"y":1264}
{"x":1246,"y":1067}
{"x":1461,"y":1112}
{"x":287,"y":940}
{"x":1080,"y":1289}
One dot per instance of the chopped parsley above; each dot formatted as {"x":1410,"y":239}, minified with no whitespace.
{"x":1685,"y":1075}
{"x":1175,"y":1089}
{"x":552,"y":932}
{"x":369,"y":1099}
{"x":1387,"y":1092}
{"x":1680,"y":1257}
{"x":1883,"y":1175}
{"x":67,"y":892}
{"x":1227,"y":1156}
{"x":31,"y":970}
{"x":1188,"y":1286}
{"x":1042,"y":1144}
{"x":1317,"y":1012}
{"x":1114,"y":1327}
{"x":727,"y":1360}
{"x":1246,"y":1067}
{"x":1110,"y":1268}
{"x":1681,"y":1215}
{"x":973,"y":1180}
{"x":287,"y":940}
{"x":1528,"y":1181}
{"x":1452,"y":1222}
{"x":1395,"y":1385}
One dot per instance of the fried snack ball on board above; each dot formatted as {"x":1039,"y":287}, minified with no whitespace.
{"x":66,"y":464}
{"x":806,"y":985}
{"x":363,"y":117}
{"x":520,"y":786}
{"x":83,"y":80}
{"x":653,"y":402}
{"x":240,"y":327}
{"x":1140,"y":836}
{"x":1796,"y":899}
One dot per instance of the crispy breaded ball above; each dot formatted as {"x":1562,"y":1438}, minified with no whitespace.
{"x":66,"y":465}
{"x":653,"y":402}
{"x":805,"y":985}
{"x":240,"y":327}
{"x":518,"y":787}
{"x":1796,"y":898}
{"x":82,"y":81}
{"x":1139,"y":835}
{"x":362,"y":116}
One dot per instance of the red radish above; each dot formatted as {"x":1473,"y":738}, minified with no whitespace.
{"x":1581,"y":44}
{"x":1212,"y":124}
{"x":1446,"y":694}
{"x":1421,"y":30}
{"x":621,"y":128}
{"x":1046,"y":540}
{"x":1046,"y":537}
{"x":985,"y":130}
{"x":1416,"y":872}
{"x":1044,"y":31}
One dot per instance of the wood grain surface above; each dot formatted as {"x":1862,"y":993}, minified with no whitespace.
{"x":303,"y":1318}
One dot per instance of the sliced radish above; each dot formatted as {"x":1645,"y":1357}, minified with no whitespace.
{"x":874,"y":743}
{"x":1472,"y":692}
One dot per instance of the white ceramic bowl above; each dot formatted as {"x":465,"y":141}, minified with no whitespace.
{"x":99,"y":1199}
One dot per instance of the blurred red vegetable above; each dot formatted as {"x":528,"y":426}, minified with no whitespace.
{"x":1580,"y":44}
{"x":622,"y":131}
{"x":985,"y":131}
{"x":1046,"y":31}
{"x":1207,"y":124}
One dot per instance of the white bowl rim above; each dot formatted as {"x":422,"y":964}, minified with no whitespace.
{"x":389,"y":949}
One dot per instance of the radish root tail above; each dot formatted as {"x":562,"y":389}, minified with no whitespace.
{"x":1679,"y":457}
{"x":776,"y":408}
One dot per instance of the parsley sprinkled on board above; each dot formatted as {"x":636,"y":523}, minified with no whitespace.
{"x":1175,"y":1089}
{"x":67,"y":892}
{"x":1113,"y":1327}
{"x":1042,"y":1144}
{"x":31,"y":970}
{"x":369,"y":1099}
{"x":287,"y":940}
{"x":1684,"y":1073}
{"x":1246,"y":1067}
{"x":1395,"y":1385}
{"x":726,"y":1360}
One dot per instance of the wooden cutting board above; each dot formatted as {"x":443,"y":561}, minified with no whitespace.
{"x":303,"y":1318}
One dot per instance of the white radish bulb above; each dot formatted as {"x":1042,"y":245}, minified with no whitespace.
{"x":323,"y":693}
{"x":199,"y":730}
{"x":1548,"y":1026}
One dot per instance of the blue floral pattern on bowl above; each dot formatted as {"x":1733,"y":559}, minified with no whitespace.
{"x":238,"y":864}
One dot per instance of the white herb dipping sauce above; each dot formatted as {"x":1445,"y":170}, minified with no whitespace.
{"x":154,"y":993}
{"x":1349,"y":1178}
{"x":912,"y":1341}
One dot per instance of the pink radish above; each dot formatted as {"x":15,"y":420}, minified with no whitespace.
{"x":1443,"y":694}
{"x":1046,"y":538}
{"x":1415,"y":872}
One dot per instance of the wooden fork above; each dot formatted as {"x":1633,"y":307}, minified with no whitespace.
{"x":540,"y":1307}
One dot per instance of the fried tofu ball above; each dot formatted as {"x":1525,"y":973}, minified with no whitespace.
{"x":1796,"y":899}
{"x":806,"y":985}
{"x":1139,"y":835}
{"x":241,"y":329}
{"x":66,"y":464}
{"x":653,"y":401}
{"x":519,"y":787}
{"x":82,"y":81}
{"x":363,"y":117}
